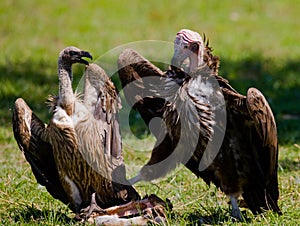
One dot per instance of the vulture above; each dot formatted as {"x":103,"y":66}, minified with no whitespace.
{"x":222,"y":136}
{"x":77,"y":156}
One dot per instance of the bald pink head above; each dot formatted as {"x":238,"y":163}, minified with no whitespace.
{"x":188,"y":45}
{"x":189,"y":35}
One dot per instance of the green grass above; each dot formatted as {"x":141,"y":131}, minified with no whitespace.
{"x":258,"y":42}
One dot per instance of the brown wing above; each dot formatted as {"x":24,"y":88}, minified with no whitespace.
{"x":29,"y":131}
{"x":265,"y":125}
{"x":106,"y":126}
{"x":266,"y":154}
{"x":140,"y":80}
{"x":101,"y":97}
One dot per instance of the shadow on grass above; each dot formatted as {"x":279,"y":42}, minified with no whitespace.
{"x":278,"y":80}
{"x":31,"y":214}
{"x":215,"y":217}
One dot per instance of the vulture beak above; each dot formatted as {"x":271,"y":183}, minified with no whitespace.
{"x":177,"y":58}
{"x":84,"y":54}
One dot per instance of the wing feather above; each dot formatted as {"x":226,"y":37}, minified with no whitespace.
{"x":29,"y":132}
{"x":104,"y":130}
{"x":103,"y":102}
{"x":141,"y":81}
{"x":265,"y":125}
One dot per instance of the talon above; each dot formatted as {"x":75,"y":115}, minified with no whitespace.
{"x":85,"y":213}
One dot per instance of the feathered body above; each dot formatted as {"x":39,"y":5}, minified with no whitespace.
{"x":246,"y":159}
{"x":82,"y":137}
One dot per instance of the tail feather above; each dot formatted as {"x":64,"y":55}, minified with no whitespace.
{"x":263,"y":199}
{"x":255,"y":201}
{"x":273,"y":194}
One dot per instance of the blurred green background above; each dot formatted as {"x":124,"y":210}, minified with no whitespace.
{"x":257,"y":41}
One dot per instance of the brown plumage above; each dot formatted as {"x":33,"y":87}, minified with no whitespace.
{"x":133,"y":68}
{"x":246,"y":163}
{"x":79,"y":152}
{"x":28,"y":130}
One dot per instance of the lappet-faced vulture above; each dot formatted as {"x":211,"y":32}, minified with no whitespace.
{"x":242,"y":128}
{"x":77,"y":156}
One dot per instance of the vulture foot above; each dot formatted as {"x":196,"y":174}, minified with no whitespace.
{"x":235,"y":212}
{"x":92,"y":208}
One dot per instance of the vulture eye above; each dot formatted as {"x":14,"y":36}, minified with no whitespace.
{"x":194,"y":46}
{"x":72,"y":53}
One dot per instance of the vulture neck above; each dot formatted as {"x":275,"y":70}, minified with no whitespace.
{"x":66,"y":96}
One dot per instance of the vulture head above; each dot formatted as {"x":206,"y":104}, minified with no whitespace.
{"x":188,"y":45}
{"x":72,"y":55}
{"x":67,"y":57}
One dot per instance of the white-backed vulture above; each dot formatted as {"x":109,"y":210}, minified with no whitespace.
{"x":246,"y":162}
{"x":78,"y":155}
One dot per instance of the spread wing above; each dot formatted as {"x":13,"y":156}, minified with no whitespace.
{"x":98,"y":130}
{"x":101,"y":97}
{"x":140,"y":81}
{"x":29,"y":132}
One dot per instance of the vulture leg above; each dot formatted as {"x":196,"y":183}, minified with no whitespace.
{"x":93,"y":207}
{"x":235,"y":212}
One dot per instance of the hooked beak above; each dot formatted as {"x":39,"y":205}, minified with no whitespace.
{"x":84,"y":54}
{"x":177,"y":59}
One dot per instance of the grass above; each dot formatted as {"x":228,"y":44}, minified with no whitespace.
{"x":258,"y":45}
